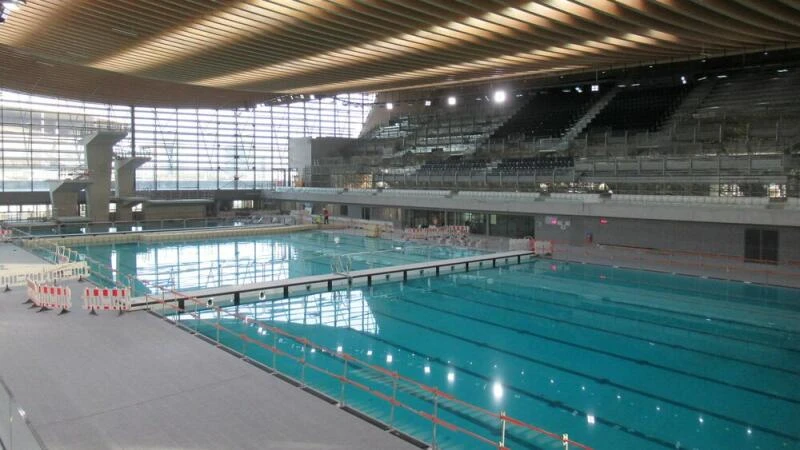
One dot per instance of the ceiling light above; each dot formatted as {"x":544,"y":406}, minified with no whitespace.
{"x":427,"y":103}
{"x":595,"y":88}
{"x":451,"y":101}
{"x":389,"y":106}
{"x":312,"y":97}
{"x":783,"y":70}
{"x":722,"y":76}
{"x":11,"y":5}
{"x":125,"y":32}
{"x":499,"y":96}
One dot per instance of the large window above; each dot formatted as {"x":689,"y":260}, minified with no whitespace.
{"x":189,"y":148}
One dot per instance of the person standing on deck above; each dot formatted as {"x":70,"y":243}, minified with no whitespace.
{"x":325,"y":215}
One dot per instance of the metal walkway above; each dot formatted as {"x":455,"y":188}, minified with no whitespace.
{"x":331,"y":281}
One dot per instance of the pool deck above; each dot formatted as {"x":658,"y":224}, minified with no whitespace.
{"x":134,"y":381}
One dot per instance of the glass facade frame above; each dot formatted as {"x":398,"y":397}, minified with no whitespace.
{"x":190,"y":149}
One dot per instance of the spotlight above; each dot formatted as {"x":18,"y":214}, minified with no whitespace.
{"x":11,"y":5}
{"x":389,"y":106}
{"x":499,"y":96}
{"x":595,"y":88}
{"x":451,"y":101}
{"x":427,"y":103}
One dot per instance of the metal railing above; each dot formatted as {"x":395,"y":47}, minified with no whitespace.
{"x":87,"y":228}
{"x":51,"y":251}
{"x":16,"y":431}
{"x":401,"y":393}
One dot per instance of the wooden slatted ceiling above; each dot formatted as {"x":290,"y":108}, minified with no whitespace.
{"x":248,"y":49}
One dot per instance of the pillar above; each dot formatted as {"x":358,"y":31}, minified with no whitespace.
{"x":99,"y":148}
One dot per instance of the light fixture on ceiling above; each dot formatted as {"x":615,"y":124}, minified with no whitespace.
{"x":499,"y":96}
{"x":11,"y":5}
{"x":451,"y":101}
{"x":427,"y":103}
{"x":7,"y":6}
{"x":129,"y":33}
{"x":389,"y":106}
{"x":595,"y":88}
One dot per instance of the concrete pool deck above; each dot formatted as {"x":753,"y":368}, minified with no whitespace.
{"x":135,"y":381}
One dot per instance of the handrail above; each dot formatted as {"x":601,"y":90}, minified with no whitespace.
{"x":504,"y":418}
{"x":15,"y":412}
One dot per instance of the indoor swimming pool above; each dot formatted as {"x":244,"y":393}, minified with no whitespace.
{"x":619,"y":359}
{"x":191,"y":265}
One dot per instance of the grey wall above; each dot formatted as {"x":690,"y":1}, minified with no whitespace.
{"x":717,"y":238}
{"x":299,"y":152}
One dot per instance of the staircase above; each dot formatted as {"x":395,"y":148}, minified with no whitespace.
{"x":691,"y":103}
{"x":587,"y":118}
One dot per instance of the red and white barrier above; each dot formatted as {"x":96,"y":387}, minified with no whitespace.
{"x":33,"y":292}
{"x":48,"y":273}
{"x":57,"y":297}
{"x":49,"y":297}
{"x":5,"y":234}
{"x":541,"y":247}
{"x":436,"y":232}
{"x":113,"y":299}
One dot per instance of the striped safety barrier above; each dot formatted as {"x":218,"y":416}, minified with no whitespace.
{"x":113,"y":299}
{"x":49,"y":297}
{"x":541,"y":247}
{"x":48,"y":273}
{"x":436,"y":232}
{"x":57,"y":297}
{"x":33,"y":292}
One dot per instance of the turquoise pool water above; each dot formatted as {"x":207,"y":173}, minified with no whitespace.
{"x":619,"y":359}
{"x":226,"y":262}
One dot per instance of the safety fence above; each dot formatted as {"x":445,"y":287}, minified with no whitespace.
{"x":41,"y":227}
{"x":16,"y":431}
{"x":418,"y":402}
{"x":47,"y":297}
{"x":96,"y":299}
{"x":44,"y":274}
{"x":711,"y":265}
{"x":450,"y":231}
{"x":539,"y":247}
{"x":78,"y":266}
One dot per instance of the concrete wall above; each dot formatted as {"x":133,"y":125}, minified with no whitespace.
{"x":126,"y":181}
{"x":299,"y":153}
{"x":65,"y":204}
{"x":173,"y":211}
{"x":716,"y":238}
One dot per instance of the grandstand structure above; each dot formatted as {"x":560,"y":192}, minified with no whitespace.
{"x":600,"y":127}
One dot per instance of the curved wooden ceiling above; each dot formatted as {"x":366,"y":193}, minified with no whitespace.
{"x":235,"y":52}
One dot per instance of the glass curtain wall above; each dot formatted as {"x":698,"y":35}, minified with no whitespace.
{"x":189,"y":148}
